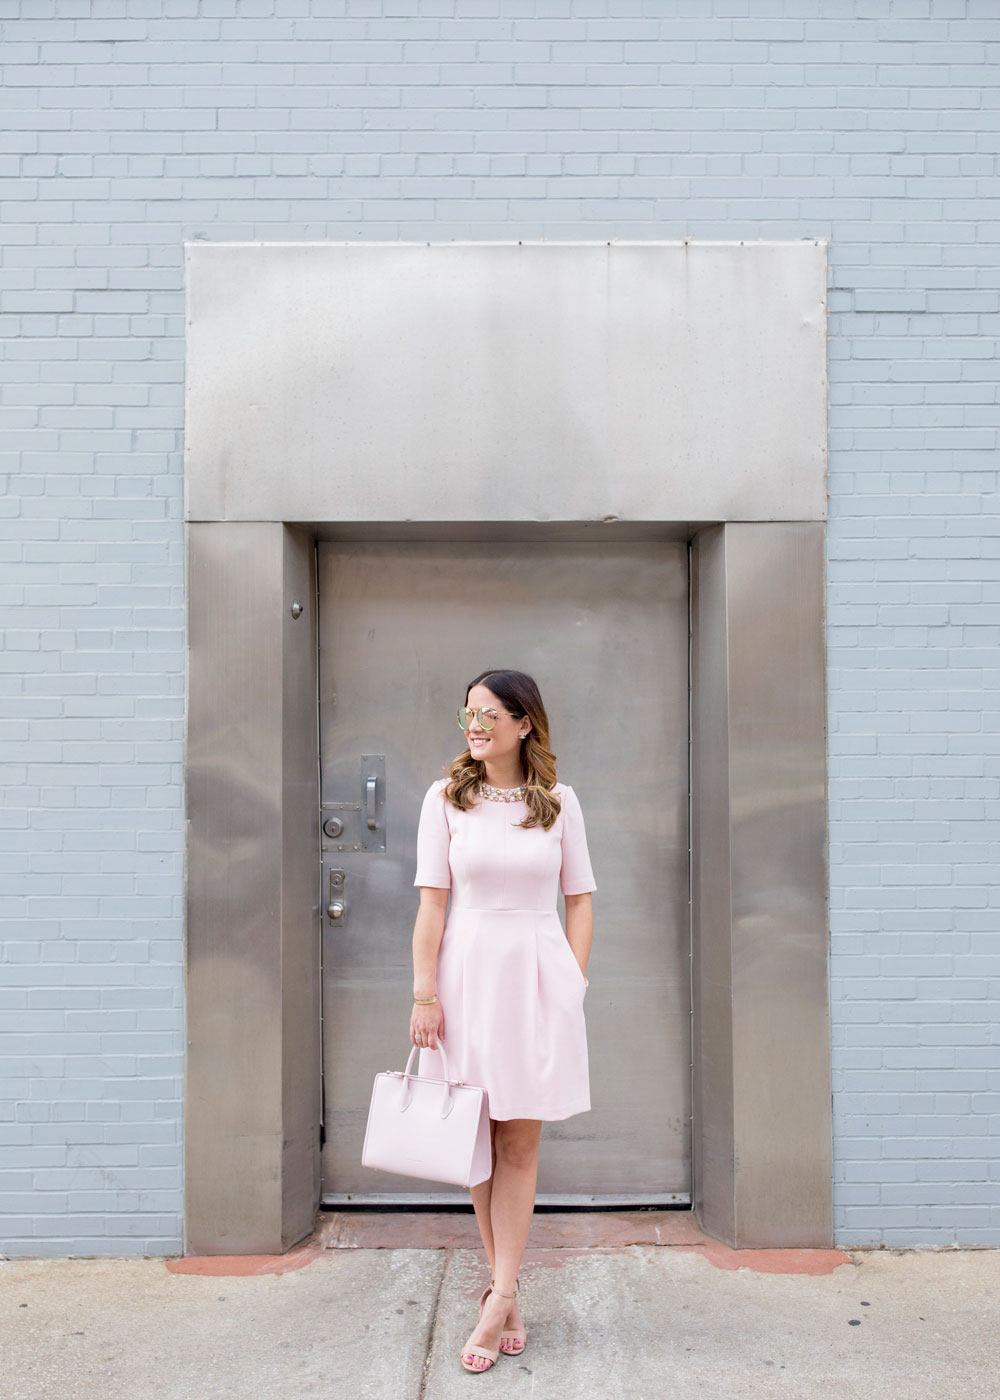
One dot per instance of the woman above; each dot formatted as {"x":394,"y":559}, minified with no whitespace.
{"x":499,"y":982}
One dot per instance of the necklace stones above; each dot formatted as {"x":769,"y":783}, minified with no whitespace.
{"x":495,"y":794}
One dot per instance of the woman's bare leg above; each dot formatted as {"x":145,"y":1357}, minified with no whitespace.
{"x":481,"y":1195}
{"x":511,"y":1206}
{"x":512,"y":1202}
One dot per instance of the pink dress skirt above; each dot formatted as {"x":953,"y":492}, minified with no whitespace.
{"x":510,"y":989}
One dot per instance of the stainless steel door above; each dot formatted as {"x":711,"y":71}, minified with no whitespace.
{"x":604,"y":630}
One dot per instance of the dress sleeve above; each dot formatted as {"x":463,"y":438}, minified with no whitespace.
{"x":433,"y":840}
{"x":576,"y":876}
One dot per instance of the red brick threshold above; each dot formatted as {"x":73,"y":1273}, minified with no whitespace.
{"x":245,"y":1265}
{"x":553,"y":1234}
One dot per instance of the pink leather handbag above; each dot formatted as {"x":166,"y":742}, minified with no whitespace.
{"x":438,"y":1129}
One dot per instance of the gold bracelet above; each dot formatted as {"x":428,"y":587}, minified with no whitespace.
{"x":424,"y":1001}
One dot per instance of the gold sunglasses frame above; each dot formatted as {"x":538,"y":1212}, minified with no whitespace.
{"x":477,"y":714}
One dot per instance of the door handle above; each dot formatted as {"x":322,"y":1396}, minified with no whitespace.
{"x":373,"y":794}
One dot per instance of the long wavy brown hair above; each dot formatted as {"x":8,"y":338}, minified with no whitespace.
{"x":520,"y":696}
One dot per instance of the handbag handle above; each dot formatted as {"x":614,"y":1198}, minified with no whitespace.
{"x":440,"y":1049}
{"x":447,"y":1103}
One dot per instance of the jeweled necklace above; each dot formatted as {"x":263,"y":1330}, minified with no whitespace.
{"x":496,"y":794}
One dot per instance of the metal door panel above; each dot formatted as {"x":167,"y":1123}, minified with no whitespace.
{"x":604,"y":630}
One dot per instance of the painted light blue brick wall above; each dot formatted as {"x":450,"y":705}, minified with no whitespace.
{"x":128,"y":126}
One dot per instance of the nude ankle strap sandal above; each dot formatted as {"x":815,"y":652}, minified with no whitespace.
{"x":515,"y":1337}
{"x":485,"y":1352}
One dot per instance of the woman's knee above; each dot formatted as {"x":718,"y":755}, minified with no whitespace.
{"x":517,"y":1142}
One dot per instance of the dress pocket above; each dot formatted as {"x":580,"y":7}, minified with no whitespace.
{"x":576,"y":967}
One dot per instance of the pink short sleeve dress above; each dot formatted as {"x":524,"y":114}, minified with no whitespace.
{"x":510,"y":989}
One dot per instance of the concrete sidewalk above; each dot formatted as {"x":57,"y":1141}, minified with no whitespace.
{"x":367,"y":1308}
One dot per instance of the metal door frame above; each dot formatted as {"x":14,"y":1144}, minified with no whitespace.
{"x":761,"y":1162}
{"x":263,"y":480}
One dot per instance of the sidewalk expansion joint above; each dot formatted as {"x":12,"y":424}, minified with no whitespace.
{"x":425,"y":1373}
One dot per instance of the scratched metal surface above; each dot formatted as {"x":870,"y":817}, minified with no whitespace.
{"x":629,"y":381}
{"x":604,"y":631}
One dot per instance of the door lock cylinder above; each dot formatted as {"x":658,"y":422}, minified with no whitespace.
{"x":336,"y":909}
